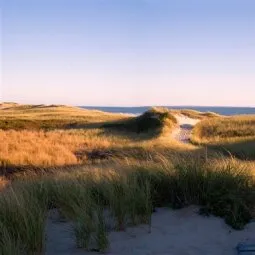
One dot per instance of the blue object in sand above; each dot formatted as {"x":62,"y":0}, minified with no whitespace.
{"x":245,"y":248}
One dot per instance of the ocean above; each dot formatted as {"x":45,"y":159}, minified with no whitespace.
{"x":139,"y":110}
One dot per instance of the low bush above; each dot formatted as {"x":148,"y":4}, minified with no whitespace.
{"x":155,"y":119}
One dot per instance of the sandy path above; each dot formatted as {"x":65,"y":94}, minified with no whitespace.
{"x":183,"y":132}
{"x":174,"y":232}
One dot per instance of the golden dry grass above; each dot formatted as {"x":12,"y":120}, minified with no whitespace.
{"x":16,"y":116}
{"x":71,"y":146}
{"x":233,"y":135}
{"x":211,"y":130}
{"x":24,"y":139}
{"x":40,"y":148}
{"x":195,"y":114}
{"x":55,"y":111}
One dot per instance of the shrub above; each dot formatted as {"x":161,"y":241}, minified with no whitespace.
{"x":154,"y":120}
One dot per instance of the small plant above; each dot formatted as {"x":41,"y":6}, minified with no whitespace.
{"x":139,"y":200}
{"x":101,"y":234}
{"x":148,"y":203}
{"x":23,"y":216}
{"x":8,"y":244}
{"x":83,"y":229}
{"x":118,"y":194}
{"x":133,"y":200}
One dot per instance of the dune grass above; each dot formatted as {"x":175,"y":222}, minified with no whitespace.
{"x":52,"y":148}
{"x":22,"y":217}
{"x":36,"y":117}
{"x":228,"y":127}
{"x":233,"y":135}
{"x":155,"y":120}
{"x":193,"y":114}
{"x":31,"y":150}
{"x":73,"y":146}
{"x":124,"y":194}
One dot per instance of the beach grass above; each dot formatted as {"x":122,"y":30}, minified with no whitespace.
{"x":74,"y":146}
{"x":50,"y":117}
{"x":193,"y":114}
{"x":231,"y":135}
{"x":155,"y":119}
{"x":129,"y":192}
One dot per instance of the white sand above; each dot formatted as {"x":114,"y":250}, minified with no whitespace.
{"x":174,"y":232}
{"x":183,"y":132}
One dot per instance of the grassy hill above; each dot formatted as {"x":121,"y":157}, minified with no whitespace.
{"x":34,"y":117}
{"x":46,"y":136}
{"x":155,"y":120}
{"x":234,"y":135}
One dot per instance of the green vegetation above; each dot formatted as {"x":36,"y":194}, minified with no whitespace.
{"x":22,"y":218}
{"x":128,"y":192}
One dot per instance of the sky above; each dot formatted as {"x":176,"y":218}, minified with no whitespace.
{"x":128,"y":52}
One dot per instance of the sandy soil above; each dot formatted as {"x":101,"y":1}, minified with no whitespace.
{"x":183,"y":132}
{"x":174,"y":232}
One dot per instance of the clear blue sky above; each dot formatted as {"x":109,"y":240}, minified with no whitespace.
{"x":128,"y":52}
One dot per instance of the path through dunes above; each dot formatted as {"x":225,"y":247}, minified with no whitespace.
{"x":183,"y":132}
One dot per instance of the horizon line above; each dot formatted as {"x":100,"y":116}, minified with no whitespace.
{"x":212,"y":106}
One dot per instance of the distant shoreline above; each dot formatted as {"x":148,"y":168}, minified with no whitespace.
{"x":224,"y":110}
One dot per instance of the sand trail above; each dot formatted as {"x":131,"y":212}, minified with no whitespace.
{"x":183,"y":132}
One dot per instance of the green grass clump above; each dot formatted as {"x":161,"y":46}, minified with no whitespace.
{"x":139,"y":201}
{"x":84,"y":228}
{"x":22,"y":218}
{"x":230,"y":196}
{"x":117,"y":194}
{"x":101,"y":233}
{"x":8,"y":243}
{"x":227,"y":191}
{"x":77,"y":202}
